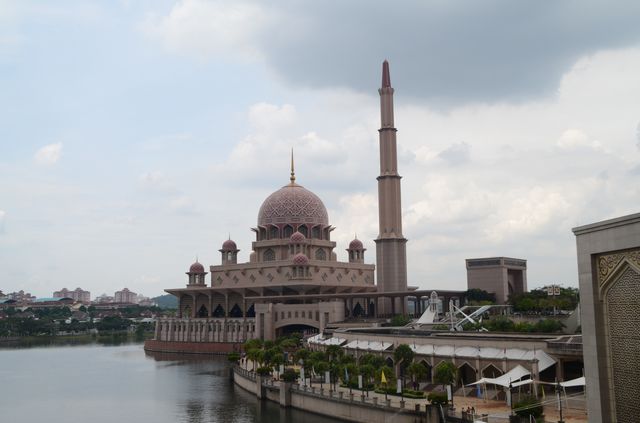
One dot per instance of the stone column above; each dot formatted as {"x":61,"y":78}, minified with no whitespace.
{"x":193,"y":309}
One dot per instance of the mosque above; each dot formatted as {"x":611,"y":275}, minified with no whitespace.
{"x":293,"y":280}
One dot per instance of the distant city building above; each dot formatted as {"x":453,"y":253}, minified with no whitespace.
{"x":103,"y":299}
{"x":125,"y":296}
{"x":77,"y":294}
{"x":143,"y":301}
{"x":502,"y":276}
{"x":21,"y":297}
{"x":609,"y":276}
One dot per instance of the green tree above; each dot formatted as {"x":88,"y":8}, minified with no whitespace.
{"x":478,"y":296}
{"x":416,"y":371}
{"x":334,"y":352}
{"x":400,"y":320}
{"x":403,"y":355}
{"x":233,"y":357}
{"x":445,"y":373}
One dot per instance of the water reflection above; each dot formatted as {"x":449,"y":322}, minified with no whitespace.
{"x":121,"y":383}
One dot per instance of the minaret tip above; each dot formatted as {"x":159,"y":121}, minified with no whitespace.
{"x":386,"y":78}
{"x":292,"y":178}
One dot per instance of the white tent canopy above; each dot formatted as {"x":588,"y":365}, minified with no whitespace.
{"x":574,"y":382}
{"x":509,"y":378}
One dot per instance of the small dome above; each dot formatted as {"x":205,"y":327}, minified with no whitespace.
{"x":229,"y":245}
{"x":196,"y":268}
{"x":356,"y":244}
{"x":297,"y":237}
{"x":300,"y":259}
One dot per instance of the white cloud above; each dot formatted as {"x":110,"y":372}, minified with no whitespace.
{"x":49,"y":154}
{"x":572,"y":138}
{"x":207,"y":28}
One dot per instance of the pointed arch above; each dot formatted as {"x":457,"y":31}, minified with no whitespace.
{"x":251,"y":311}
{"x":235,"y":311}
{"x":269,"y":255}
{"x":321,"y":254}
{"x":287,"y":231}
{"x":491,"y":371}
{"x":203,"y":312}
{"x":218,"y":311}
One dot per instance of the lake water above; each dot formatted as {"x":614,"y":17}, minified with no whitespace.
{"x":120,"y":383}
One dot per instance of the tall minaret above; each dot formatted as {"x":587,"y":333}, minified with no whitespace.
{"x":391,"y":253}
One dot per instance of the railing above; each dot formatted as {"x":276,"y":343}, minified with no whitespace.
{"x":564,"y":347}
{"x":245,"y":373}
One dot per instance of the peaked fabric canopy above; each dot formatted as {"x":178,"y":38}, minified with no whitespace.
{"x":506,"y":379}
{"x":581,"y":381}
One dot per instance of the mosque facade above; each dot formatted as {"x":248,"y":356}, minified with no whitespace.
{"x":293,"y":280}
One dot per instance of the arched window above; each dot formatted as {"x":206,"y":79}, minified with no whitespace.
{"x":288,"y":231}
{"x":315,"y":232}
{"x":321,"y":254}
{"x":269,"y":255}
{"x":273,"y":232}
{"x":202,"y":312}
{"x":303,"y":230}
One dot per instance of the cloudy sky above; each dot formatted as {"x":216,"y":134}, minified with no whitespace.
{"x":137,"y":135}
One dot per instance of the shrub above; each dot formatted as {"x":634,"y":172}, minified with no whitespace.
{"x":437,"y":398}
{"x":289,"y":375}
{"x":528,"y":406}
{"x":264,"y":370}
{"x":233,"y":357}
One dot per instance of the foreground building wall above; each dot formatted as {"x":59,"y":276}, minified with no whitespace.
{"x":609,"y":275}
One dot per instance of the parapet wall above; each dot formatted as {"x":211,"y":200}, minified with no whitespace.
{"x":339,"y":405}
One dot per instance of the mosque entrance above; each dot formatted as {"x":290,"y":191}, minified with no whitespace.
{"x":304,"y":330}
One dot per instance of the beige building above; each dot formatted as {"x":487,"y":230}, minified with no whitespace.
{"x":125,"y":296}
{"x":502,"y":276}
{"x":77,"y":294}
{"x":609,"y":276}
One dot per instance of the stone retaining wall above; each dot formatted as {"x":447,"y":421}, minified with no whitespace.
{"x":344,"y":408}
{"x":191,"y":347}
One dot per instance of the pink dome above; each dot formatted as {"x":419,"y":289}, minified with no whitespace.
{"x":292,"y":204}
{"x":297,"y":237}
{"x":196,"y":268}
{"x":356,"y":244}
{"x":229,"y":245}
{"x":300,"y":259}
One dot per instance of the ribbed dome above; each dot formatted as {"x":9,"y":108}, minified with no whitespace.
{"x":229,"y":245}
{"x":293,"y":204}
{"x":196,"y":268}
{"x":356,"y":244}
{"x":297,"y":237}
{"x":300,"y":259}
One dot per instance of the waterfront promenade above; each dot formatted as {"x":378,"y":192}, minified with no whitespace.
{"x":356,"y":405}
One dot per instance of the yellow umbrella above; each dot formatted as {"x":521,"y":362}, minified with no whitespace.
{"x":383,"y":379}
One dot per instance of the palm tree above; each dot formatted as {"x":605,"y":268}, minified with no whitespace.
{"x":416,"y":371}
{"x":403,"y":355}
{"x":334,"y":352}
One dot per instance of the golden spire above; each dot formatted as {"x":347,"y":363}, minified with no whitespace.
{"x":293,"y":173}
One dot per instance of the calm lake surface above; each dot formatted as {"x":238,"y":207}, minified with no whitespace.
{"x":100,"y":383}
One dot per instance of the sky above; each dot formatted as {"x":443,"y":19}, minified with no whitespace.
{"x":137,"y":136}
